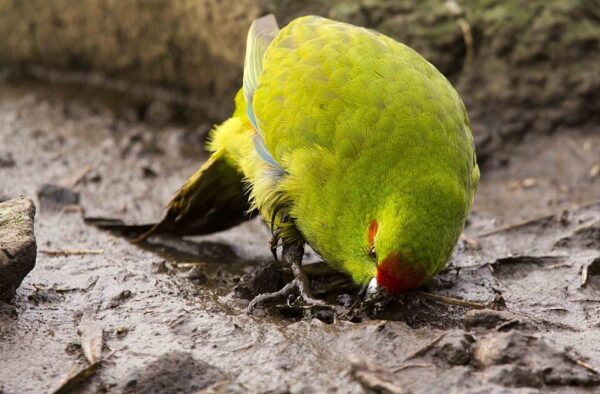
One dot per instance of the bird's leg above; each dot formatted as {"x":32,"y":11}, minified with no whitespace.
{"x":274,"y":241}
{"x":292,"y":256}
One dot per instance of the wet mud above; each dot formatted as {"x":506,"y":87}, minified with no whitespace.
{"x":516,"y":310}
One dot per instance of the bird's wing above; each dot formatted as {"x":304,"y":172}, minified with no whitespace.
{"x":262,"y":32}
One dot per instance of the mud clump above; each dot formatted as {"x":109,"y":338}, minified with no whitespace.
{"x":487,"y":318}
{"x":17,"y":244}
{"x":586,"y":237}
{"x":52,"y":196}
{"x":518,"y":360}
{"x":267,"y":279}
{"x":454,"y":348}
{"x":174,"y":372}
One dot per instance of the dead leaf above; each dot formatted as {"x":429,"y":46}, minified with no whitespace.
{"x":91,"y":341}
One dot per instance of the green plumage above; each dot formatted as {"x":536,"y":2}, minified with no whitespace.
{"x":366,"y":130}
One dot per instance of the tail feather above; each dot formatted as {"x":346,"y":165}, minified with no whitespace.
{"x":211,"y":200}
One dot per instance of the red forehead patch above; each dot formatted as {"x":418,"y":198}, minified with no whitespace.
{"x":373,"y":227}
{"x":397,"y":277}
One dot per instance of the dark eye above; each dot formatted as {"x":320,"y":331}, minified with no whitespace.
{"x":372,"y":253}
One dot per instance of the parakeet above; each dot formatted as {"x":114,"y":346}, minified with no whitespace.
{"x":347,"y":140}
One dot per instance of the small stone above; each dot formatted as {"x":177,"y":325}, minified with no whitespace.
{"x":18,"y":247}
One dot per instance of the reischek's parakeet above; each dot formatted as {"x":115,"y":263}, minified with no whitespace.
{"x":346,"y":139}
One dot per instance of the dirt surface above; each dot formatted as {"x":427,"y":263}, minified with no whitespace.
{"x":165,"y":315}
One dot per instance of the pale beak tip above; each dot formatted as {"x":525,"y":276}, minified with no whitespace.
{"x":373,"y":287}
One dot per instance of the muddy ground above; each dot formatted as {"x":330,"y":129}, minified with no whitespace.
{"x":165,"y":312}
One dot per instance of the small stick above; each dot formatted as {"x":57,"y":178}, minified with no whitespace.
{"x":451,"y":300}
{"x":406,"y":366}
{"x":587,"y":366}
{"x":71,"y":252}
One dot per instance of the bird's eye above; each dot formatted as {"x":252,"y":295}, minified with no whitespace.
{"x":372,"y":253}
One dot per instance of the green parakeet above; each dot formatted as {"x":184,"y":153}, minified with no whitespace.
{"x":346,"y":139}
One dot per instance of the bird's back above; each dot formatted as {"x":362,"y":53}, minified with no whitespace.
{"x":330,"y":85}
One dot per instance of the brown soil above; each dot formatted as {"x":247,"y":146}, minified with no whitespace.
{"x":166,"y":309}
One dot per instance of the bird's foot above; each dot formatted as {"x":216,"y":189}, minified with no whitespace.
{"x":293,"y":292}
{"x":298,"y":287}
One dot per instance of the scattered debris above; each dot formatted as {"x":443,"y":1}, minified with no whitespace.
{"x":17,"y":244}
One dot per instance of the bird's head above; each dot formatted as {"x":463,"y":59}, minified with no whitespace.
{"x":409,"y":240}
{"x":396,"y":271}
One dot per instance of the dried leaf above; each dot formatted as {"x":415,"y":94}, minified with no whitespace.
{"x":91,"y":341}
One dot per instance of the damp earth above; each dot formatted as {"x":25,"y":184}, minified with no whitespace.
{"x":516,"y":310}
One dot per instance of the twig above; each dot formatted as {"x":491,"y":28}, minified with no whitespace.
{"x":587,"y":366}
{"x":407,"y":366}
{"x":451,"y":300}
{"x":425,"y":348}
{"x":71,"y":252}
{"x":558,"y":265}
